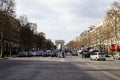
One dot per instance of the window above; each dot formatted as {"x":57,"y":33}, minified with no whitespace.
{"x":95,"y":53}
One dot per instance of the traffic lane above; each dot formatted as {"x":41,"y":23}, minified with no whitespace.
{"x":109,"y":64}
{"x":6,"y":63}
{"x":41,"y":70}
{"x":110,"y":67}
{"x":50,"y":70}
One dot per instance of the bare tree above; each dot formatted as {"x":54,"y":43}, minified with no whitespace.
{"x":115,"y":5}
{"x":114,"y":17}
{"x":23,"y":20}
{"x":8,"y":6}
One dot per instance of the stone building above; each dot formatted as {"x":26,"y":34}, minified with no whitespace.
{"x":104,"y":34}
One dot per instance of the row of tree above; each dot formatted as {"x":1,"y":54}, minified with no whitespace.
{"x":30,"y":38}
{"x":19,"y":32}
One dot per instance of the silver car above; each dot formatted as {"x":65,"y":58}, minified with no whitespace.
{"x":117,"y":56}
{"x":98,"y":56}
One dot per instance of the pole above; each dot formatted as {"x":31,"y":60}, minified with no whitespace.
{"x":1,"y":51}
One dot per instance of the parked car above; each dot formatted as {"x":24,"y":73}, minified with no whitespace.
{"x":117,"y":56}
{"x":21,"y":54}
{"x":34,"y":53}
{"x":54,"y":53}
{"x":28,"y":53}
{"x":46,"y":53}
{"x":98,"y":56}
{"x":39,"y":53}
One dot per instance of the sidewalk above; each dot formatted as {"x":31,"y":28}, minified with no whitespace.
{"x":2,"y":58}
{"x":5,"y":58}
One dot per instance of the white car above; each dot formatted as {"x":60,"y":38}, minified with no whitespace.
{"x":117,"y":56}
{"x":98,"y":56}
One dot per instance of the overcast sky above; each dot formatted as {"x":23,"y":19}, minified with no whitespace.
{"x":63,"y":19}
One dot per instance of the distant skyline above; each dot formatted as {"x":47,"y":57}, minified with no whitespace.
{"x":63,"y":19}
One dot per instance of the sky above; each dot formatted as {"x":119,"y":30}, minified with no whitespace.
{"x":63,"y":19}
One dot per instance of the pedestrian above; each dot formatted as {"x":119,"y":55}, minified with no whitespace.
{"x":63,"y":54}
{"x":59,"y":54}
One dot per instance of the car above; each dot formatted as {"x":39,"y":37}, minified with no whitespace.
{"x":39,"y":53}
{"x":79,"y":51}
{"x":74,"y":53}
{"x":98,"y":56}
{"x":85,"y":54}
{"x":21,"y":54}
{"x":33,"y":53}
{"x":46,"y":53}
{"x":117,"y":56}
{"x":28,"y":54}
{"x":54,"y":53}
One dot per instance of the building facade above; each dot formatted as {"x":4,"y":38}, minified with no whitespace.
{"x":103,"y":35}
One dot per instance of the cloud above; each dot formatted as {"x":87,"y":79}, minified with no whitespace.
{"x":63,"y":19}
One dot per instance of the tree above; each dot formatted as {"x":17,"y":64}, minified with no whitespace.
{"x":26,"y":37}
{"x":114,"y":19}
{"x":40,"y":41}
{"x":48,"y":44}
{"x":8,"y":6}
{"x":115,"y":5}
{"x":23,"y":20}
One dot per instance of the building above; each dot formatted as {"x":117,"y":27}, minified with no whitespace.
{"x":103,"y":35}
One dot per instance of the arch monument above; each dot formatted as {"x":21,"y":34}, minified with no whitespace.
{"x":59,"y":44}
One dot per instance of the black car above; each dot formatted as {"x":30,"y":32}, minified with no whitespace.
{"x":85,"y":54}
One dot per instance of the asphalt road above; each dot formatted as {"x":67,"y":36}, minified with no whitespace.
{"x":69,"y":68}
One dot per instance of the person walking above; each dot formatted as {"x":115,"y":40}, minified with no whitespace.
{"x":63,"y":54}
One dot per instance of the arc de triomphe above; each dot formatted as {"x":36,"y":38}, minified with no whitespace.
{"x":59,"y":43}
